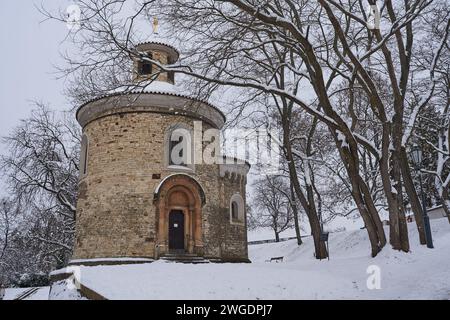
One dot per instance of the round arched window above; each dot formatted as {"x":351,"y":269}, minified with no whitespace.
{"x":179,"y":148}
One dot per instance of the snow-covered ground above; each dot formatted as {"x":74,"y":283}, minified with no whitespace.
{"x":13,"y":293}
{"x":420,"y":274}
{"x":64,"y":290}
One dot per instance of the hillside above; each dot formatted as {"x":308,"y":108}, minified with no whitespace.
{"x":420,"y":274}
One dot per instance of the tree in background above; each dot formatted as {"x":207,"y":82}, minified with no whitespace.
{"x":274,"y":207}
{"x":40,"y":167}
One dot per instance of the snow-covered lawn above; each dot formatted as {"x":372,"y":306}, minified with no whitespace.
{"x":40,"y":294}
{"x":420,"y":274}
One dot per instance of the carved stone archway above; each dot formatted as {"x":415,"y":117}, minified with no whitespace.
{"x":180,"y":192}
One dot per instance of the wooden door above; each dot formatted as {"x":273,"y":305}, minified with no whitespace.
{"x":176,"y":230}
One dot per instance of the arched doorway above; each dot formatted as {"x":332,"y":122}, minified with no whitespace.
{"x":179,"y":200}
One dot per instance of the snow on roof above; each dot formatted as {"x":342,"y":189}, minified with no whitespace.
{"x":148,"y":87}
{"x":157,"y":39}
{"x":151,"y":87}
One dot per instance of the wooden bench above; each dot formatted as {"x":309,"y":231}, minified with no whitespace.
{"x":277,"y":259}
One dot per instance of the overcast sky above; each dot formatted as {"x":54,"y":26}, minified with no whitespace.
{"x":30,"y":48}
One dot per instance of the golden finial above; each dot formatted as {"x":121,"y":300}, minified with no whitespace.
{"x":155,"y":25}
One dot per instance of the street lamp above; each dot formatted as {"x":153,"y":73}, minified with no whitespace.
{"x":416,"y":155}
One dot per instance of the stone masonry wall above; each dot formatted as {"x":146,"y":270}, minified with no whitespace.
{"x":116,"y":214}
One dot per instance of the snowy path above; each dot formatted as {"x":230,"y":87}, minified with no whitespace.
{"x":421,"y":274}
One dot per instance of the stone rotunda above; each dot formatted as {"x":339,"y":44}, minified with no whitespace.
{"x":135,"y":202}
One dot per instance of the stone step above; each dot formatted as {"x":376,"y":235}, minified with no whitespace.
{"x":174,"y":254}
{"x":185,"y":258}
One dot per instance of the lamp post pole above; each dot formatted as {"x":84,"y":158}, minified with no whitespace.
{"x":416,"y":155}
{"x":426,"y":218}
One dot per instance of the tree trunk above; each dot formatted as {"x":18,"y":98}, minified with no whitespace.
{"x":307,"y":204}
{"x":362,"y":197}
{"x":321,"y":249}
{"x":373,"y":213}
{"x":390,"y":172}
{"x":397,"y":135}
{"x":374,"y":237}
{"x":296,"y":216}
{"x":445,"y":203}
{"x":412,"y":196}
{"x":319,"y":246}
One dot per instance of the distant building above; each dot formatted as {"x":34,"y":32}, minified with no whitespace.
{"x":436,"y":212}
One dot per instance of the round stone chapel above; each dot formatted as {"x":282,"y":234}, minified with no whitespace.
{"x":135,"y":202}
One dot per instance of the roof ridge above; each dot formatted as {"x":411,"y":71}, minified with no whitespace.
{"x":151,"y":92}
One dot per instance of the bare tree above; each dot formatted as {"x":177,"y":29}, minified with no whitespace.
{"x":6,"y":229}
{"x":43,"y":159}
{"x":275,"y":210}
{"x":6,"y":225}
{"x":437,"y":123}
{"x":40,"y":166}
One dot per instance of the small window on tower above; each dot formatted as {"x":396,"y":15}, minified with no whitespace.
{"x":145,"y":67}
{"x":234,"y":211}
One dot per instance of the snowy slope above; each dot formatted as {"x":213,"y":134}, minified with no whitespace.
{"x":421,"y":274}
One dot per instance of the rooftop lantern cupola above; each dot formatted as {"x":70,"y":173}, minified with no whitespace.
{"x":155,"y":49}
